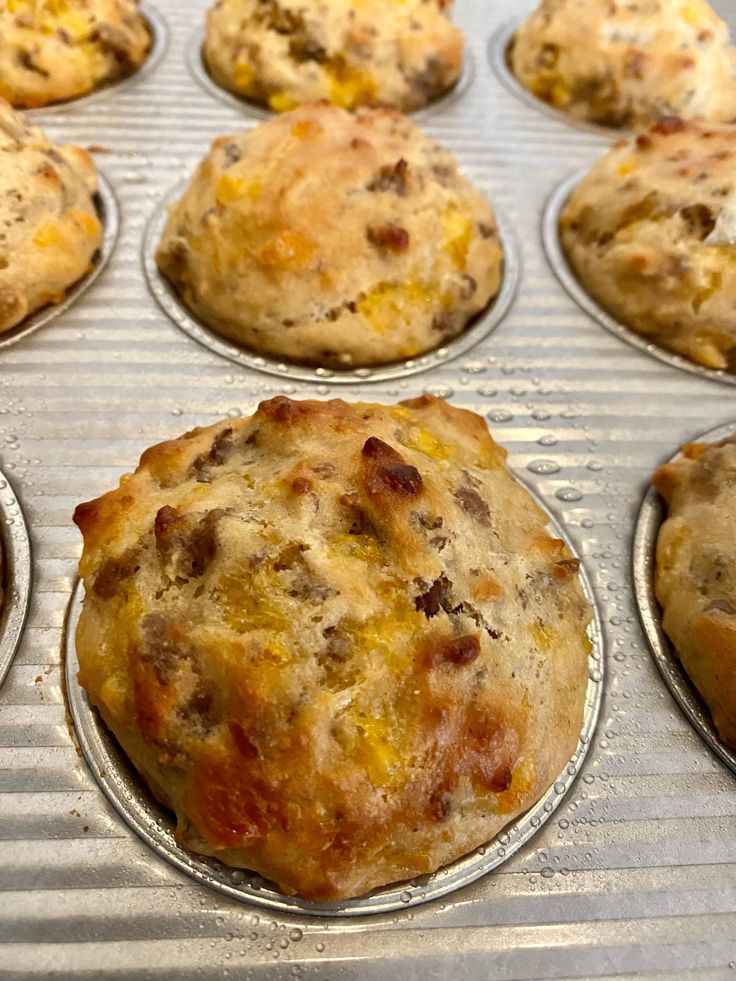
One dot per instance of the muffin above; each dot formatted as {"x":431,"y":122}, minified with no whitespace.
{"x":624,"y":64}
{"x":336,"y":639}
{"x":49,"y":228}
{"x":331,"y":238}
{"x":283,"y":53}
{"x":650,"y":233}
{"x":56,"y":50}
{"x":695,"y":575}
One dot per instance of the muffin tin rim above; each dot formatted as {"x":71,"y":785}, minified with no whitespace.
{"x":497,"y":48}
{"x":159,"y":30}
{"x":108,"y":211}
{"x":194,"y":58}
{"x":478,"y":330}
{"x":132,"y":801}
{"x":567,"y":278}
{"x":15,"y":542}
{"x":652,"y":514}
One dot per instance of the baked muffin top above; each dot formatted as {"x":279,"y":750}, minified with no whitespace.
{"x":49,"y":228}
{"x":55,"y":50}
{"x":695,"y":572}
{"x":651,"y":234}
{"x":336,"y":639}
{"x":625,"y":63}
{"x":283,"y":53}
{"x":333,"y":238}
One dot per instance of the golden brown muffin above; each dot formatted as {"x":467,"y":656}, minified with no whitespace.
{"x":333,"y":238}
{"x":695,"y":575}
{"x":283,"y":53}
{"x":625,"y":63}
{"x":650,"y":233}
{"x":49,"y":228}
{"x":55,"y":50}
{"x":337,"y":640}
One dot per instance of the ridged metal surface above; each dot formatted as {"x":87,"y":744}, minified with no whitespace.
{"x":636,"y":872}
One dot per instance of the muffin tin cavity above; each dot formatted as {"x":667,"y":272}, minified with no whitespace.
{"x":499,"y":46}
{"x":159,"y":42}
{"x":199,"y":71}
{"x":568,"y":279}
{"x":651,"y":516}
{"x":154,"y":824}
{"x":109,"y":214}
{"x":15,"y":576}
{"x":478,"y":329}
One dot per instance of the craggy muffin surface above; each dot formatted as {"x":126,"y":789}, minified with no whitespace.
{"x":55,"y":50}
{"x":336,"y":639}
{"x":282,"y":53}
{"x":625,"y":63}
{"x":696,"y":574}
{"x":650,"y":233}
{"x":333,"y":238}
{"x":49,"y":228}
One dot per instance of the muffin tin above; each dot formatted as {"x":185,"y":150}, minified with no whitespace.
{"x":633,"y":873}
{"x":558,"y":261}
{"x":109,"y":214}
{"x":479,"y":328}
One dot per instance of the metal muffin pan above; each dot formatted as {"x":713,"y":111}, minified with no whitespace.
{"x":154,"y":824}
{"x":16,"y":574}
{"x":557,"y":259}
{"x":498,"y":58}
{"x":651,"y":516}
{"x":159,"y":42}
{"x":196,"y":64}
{"x":479,"y":328}
{"x":109,"y":214}
{"x":633,"y":875}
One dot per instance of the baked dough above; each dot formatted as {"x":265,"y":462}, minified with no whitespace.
{"x":49,"y":228}
{"x":336,"y":639}
{"x":55,"y":50}
{"x":625,"y":63}
{"x":333,"y":238}
{"x":282,"y":53}
{"x":650,"y":233}
{"x":696,"y":573}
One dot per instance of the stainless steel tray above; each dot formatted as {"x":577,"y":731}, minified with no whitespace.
{"x":634,"y":873}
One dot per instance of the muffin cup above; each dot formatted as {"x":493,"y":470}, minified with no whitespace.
{"x":108,"y":212}
{"x":197,"y":66}
{"x":16,"y":576}
{"x":154,"y":824}
{"x":159,"y":43}
{"x":651,"y":516}
{"x":477,"y":330}
{"x":568,"y":279}
{"x":499,"y":45}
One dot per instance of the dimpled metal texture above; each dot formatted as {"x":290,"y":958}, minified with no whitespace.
{"x":633,"y":875}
